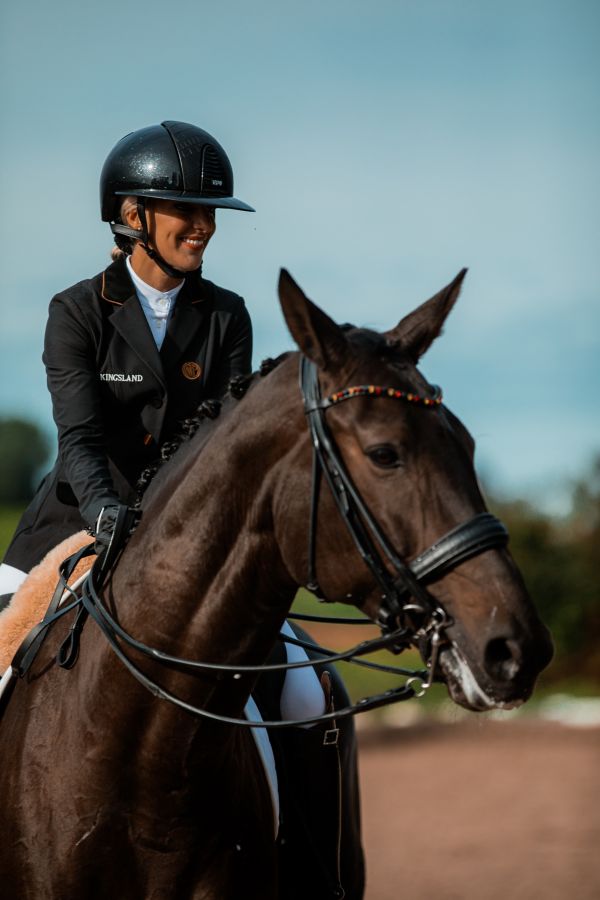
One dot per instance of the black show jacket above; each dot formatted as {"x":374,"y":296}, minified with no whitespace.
{"x":115,"y":397}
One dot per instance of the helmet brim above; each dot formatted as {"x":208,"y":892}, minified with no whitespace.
{"x":187,"y":197}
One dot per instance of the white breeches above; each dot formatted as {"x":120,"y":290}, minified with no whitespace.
{"x":10,"y":578}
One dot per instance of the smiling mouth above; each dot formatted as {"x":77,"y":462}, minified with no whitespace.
{"x":194,"y":243}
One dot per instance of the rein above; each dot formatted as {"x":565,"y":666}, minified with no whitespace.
{"x":402,"y":622}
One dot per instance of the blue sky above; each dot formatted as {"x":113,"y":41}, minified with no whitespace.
{"x":384,"y":146}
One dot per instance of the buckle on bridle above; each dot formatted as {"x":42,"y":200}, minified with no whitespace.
{"x":331,"y":737}
{"x":439,"y":620}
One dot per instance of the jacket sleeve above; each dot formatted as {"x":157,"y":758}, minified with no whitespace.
{"x":236,"y":355}
{"x":73,"y":382}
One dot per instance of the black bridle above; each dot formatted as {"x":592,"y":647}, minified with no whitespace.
{"x":482,"y":532}
{"x":407,"y":614}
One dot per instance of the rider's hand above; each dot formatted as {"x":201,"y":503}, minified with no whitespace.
{"x":105,"y":526}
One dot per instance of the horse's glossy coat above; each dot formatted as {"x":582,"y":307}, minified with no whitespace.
{"x":107,"y":792}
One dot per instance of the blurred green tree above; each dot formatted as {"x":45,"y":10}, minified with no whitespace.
{"x":559,"y":559}
{"x":23,"y":450}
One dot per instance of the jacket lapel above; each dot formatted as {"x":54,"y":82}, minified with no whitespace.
{"x":188,"y":317}
{"x":127,"y":316}
{"x":131,"y":323}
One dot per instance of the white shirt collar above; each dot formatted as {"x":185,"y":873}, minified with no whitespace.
{"x":157,"y":306}
{"x":149,"y":293}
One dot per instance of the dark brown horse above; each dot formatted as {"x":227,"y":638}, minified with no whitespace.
{"x":107,"y":791}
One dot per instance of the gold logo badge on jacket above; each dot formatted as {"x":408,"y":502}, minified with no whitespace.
{"x":191,"y":370}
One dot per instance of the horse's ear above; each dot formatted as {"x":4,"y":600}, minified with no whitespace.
{"x":317,"y":336}
{"x":415,"y":333}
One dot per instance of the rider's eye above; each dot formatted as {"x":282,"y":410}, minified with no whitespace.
{"x":384,"y":456}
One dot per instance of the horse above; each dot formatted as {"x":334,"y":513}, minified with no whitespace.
{"x":106,"y":790}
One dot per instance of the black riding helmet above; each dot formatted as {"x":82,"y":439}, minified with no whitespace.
{"x":170,"y":161}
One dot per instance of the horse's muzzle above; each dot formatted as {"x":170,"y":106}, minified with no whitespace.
{"x":506,"y":676}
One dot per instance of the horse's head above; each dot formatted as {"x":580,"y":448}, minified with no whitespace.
{"x":411,"y":462}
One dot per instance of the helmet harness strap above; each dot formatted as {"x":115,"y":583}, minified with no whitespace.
{"x":142,"y":236}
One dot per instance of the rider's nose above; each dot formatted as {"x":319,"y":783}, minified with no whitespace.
{"x":203,"y":218}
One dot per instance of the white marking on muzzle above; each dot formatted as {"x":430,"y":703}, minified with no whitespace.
{"x":454,"y":661}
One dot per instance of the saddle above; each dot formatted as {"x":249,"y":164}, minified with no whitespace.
{"x":30,"y":601}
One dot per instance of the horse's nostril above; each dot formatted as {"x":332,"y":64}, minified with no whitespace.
{"x":502,"y":658}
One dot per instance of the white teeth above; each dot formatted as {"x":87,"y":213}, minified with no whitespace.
{"x":193,"y":242}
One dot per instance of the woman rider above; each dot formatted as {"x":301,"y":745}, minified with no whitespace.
{"x":133,"y":351}
{"x":128,"y":355}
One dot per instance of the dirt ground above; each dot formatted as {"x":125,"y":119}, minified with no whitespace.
{"x":482,"y":809}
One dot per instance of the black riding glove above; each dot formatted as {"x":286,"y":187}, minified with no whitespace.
{"x":105,"y":525}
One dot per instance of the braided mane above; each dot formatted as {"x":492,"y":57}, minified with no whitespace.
{"x":187,"y":428}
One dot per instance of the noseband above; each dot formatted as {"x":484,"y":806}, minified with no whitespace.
{"x":407,"y":613}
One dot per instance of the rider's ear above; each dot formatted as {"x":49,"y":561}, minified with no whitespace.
{"x":415,"y":333}
{"x":129,"y":213}
{"x":317,"y":336}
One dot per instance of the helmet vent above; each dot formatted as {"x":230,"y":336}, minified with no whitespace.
{"x":214,"y":177}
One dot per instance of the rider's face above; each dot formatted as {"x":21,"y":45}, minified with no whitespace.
{"x":180,"y":231}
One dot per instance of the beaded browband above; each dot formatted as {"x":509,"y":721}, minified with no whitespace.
{"x":372,"y":390}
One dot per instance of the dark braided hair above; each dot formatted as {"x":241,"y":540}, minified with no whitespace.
{"x":123,"y":247}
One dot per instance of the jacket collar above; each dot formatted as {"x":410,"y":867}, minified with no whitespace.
{"x":117,"y":287}
{"x":127,"y":317}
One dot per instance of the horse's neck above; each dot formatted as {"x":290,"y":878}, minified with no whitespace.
{"x":203,"y":577}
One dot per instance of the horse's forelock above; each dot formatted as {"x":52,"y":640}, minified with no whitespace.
{"x":368,"y":344}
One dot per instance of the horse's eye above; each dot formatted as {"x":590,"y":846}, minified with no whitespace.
{"x":384,"y":456}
